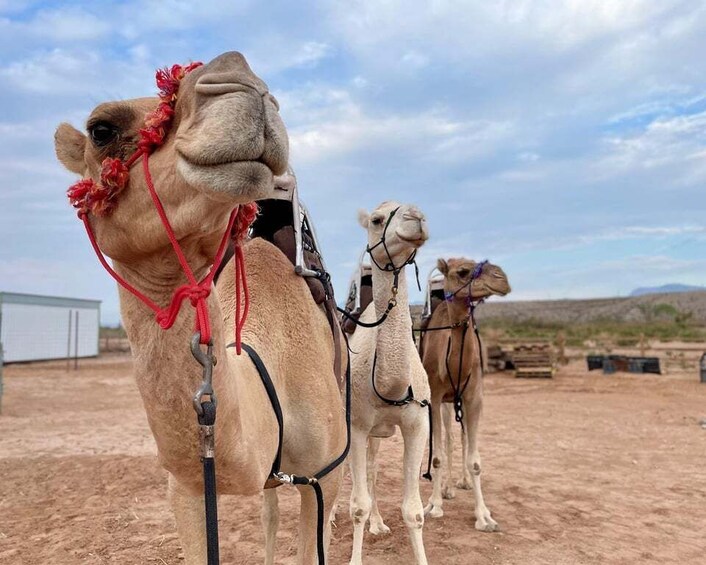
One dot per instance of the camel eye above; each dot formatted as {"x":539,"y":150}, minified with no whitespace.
{"x":463,"y":273}
{"x":376,"y":221}
{"x":102,"y":133}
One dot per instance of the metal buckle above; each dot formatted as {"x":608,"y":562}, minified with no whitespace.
{"x":207,"y":360}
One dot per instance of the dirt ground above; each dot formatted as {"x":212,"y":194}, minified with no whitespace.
{"x":581,"y":469}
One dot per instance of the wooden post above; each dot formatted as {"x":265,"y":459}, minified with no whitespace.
{"x":1,"y":364}
{"x":68,"y":343}
{"x":76,"y":343}
{"x":561,"y":346}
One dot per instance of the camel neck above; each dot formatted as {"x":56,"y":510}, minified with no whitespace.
{"x":166,"y":372}
{"x":457,"y":312}
{"x":394,"y":343}
{"x":463,"y":339}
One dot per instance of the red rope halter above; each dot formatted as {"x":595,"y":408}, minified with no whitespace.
{"x":100,"y":199}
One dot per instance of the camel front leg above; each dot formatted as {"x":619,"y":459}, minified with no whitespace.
{"x":360,"y":497}
{"x":484,"y":521}
{"x":447,"y":413}
{"x":270,"y":522}
{"x":465,"y":482}
{"x":415,"y":438}
{"x":377,"y":526}
{"x":434,"y":507}
{"x":308,"y":517}
{"x":190,"y":521}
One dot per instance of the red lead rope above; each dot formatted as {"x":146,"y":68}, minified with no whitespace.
{"x":196,"y":291}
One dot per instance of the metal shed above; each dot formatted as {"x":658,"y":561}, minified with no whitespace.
{"x":38,"y":328}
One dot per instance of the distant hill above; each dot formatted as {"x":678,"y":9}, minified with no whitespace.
{"x":628,"y":309}
{"x":665,"y":289}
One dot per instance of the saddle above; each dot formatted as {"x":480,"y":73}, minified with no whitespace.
{"x":434,"y":296}
{"x":284,"y":221}
{"x":360,"y":295}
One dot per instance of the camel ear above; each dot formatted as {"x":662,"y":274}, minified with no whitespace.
{"x":363,"y":218}
{"x":443,"y":266}
{"x":70,"y":145}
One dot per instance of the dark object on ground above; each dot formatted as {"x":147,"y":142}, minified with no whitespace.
{"x":612,"y":363}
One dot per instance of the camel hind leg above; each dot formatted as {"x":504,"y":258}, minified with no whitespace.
{"x":377,"y":526}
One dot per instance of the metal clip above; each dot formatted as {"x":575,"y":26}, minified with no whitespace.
{"x":283,"y":478}
{"x":207,"y":360}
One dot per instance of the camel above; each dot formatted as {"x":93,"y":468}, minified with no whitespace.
{"x":385,"y":363}
{"x":452,"y":359}
{"x":224,"y":147}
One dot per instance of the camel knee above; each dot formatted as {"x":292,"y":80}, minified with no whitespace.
{"x":360,"y":509}
{"x":413,"y":514}
{"x":474,"y":467}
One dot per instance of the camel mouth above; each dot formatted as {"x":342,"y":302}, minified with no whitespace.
{"x":417,"y":239}
{"x":490,"y":290}
{"x":245,"y":180}
{"x":207,"y":164}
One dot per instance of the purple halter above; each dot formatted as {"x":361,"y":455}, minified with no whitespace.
{"x":477,"y":272}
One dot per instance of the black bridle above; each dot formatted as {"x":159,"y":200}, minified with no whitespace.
{"x":390,"y":267}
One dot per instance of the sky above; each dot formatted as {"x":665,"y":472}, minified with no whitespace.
{"x":564,"y":140}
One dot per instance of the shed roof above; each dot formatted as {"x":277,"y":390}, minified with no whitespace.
{"x":40,"y":300}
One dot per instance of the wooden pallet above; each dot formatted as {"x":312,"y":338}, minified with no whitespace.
{"x":534,"y":360}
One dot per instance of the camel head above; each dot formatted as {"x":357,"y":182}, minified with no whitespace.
{"x":402,"y":228}
{"x":486,"y":281}
{"x":225,"y":143}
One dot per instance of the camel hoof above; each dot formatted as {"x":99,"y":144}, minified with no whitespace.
{"x":434,"y":511}
{"x":448,"y":493}
{"x":464,"y":484}
{"x":378,"y":528}
{"x":487,"y":524}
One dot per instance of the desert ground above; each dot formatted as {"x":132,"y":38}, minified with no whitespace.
{"x":580,"y":469}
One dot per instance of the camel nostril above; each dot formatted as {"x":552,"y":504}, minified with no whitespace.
{"x":217,"y":84}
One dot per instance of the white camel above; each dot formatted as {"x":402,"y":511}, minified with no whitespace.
{"x":385,"y":367}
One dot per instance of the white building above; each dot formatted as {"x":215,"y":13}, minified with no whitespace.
{"x":34,"y":328}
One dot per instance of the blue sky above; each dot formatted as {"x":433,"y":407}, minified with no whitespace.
{"x":563,"y":140}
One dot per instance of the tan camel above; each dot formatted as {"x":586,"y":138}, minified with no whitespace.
{"x":390,"y":348}
{"x":452,"y":358}
{"x":226,"y":142}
